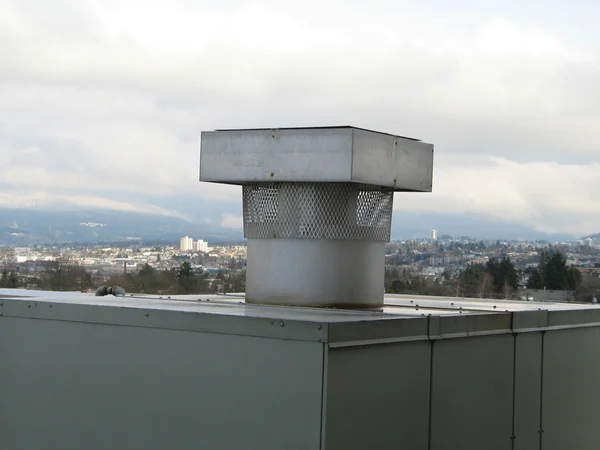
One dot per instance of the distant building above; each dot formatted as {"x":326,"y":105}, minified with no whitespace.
{"x":588,"y":242}
{"x":434,"y":235}
{"x":200,"y":246}
{"x":186,"y":244}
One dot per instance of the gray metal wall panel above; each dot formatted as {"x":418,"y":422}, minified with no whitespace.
{"x":571,"y":389}
{"x":528,"y":376}
{"x":377,"y":397}
{"x":66,"y":385}
{"x":472,"y":391}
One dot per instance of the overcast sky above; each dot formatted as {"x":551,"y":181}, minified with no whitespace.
{"x":102,"y":102}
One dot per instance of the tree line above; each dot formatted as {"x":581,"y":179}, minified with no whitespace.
{"x":498,"y":278}
{"x":184,"y":279}
{"x":63,"y":275}
{"x":59,"y":275}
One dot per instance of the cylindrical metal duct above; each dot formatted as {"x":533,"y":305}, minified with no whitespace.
{"x":320,"y":272}
{"x":316,"y":244}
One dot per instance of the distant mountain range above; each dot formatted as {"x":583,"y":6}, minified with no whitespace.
{"x":410,"y":225}
{"x":25,"y":227}
{"x":28,"y":227}
{"x":592,"y":236}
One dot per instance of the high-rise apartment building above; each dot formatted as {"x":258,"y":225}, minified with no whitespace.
{"x":434,"y":235}
{"x":186,"y":244}
{"x":200,"y":246}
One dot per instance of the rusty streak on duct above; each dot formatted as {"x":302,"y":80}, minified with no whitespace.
{"x":317,"y":206}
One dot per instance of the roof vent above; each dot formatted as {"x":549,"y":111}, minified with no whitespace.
{"x":317,"y":207}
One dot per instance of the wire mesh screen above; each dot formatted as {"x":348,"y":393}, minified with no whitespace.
{"x":348,"y":211}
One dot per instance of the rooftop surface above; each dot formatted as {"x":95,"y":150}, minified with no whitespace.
{"x":402,"y":318}
{"x":233,"y":304}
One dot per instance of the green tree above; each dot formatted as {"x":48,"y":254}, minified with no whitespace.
{"x":553,"y":273}
{"x":475,"y":281}
{"x":13,"y":280}
{"x":505,"y":279}
{"x":189,"y":281}
{"x":146,"y":271}
{"x":397,"y":287}
{"x":147,"y":279}
{"x":85,"y":280}
{"x":535,"y":280}
{"x":510,"y":274}
{"x":574,"y":278}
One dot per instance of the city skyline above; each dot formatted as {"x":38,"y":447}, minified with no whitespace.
{"x":425,"y":267}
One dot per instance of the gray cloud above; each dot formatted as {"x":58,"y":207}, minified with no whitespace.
{"x":107,"y":99}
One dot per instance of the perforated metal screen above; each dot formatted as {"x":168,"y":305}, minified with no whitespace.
{"x":347,"y":211}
